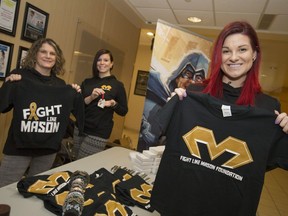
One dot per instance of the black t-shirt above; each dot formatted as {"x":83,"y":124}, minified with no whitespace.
{"x":40,"y":115}
{"x":215,"y":165}
{"x":99,"y":121}
{"x":106,"y":193}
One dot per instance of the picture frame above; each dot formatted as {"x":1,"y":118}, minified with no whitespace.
{"x":141,"y":83}
{"x":35,"y":23}
{"x":9,"y":10}
{"x":6,"y":51}
{"x":22,"y":52}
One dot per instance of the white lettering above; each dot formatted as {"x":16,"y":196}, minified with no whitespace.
{"x":49,"y":110}
{"x":207,"y":165}
{"x":39,"y":127}
{"x":26,"y":113}
{"x":34,"y":126}
{"x":57,"y":107}
{"x":40,"y":112}
{"x":43,"y":111}
{"x":185,"y":159}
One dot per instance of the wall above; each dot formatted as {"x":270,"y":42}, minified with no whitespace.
{"x":64,"y":17}
{"x":136,"y":102}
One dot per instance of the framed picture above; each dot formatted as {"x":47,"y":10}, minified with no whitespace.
{"x":9,"y":10}
{"x":6,"y":50}
{"x":22,"y":52}
{"x":141,"y":83}
{"x":35,"y":23}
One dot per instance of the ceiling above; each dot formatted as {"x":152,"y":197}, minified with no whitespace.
{"x":264,"y":15}
{"x":268,"y":17}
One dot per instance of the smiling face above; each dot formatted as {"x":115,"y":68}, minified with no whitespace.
{"x":45,"y":59}
{"x":237,"y":59}
{"x":104,"y":65}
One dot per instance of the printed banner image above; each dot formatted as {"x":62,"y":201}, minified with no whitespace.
{"x":179,"y":59}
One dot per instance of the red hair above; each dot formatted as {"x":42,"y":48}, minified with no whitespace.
{"x":251,"y":85}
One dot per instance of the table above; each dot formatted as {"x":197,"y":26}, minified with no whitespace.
{"x":33,"y":206}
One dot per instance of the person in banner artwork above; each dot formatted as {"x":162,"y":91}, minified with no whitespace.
{"x":193,"y":68}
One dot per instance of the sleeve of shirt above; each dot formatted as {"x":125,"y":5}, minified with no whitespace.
{"x":78,"y":112}
{"x":163,"y":116}
{"x":6,"y":95}
{"x":121,"y":108}
{"x":278,"y":157}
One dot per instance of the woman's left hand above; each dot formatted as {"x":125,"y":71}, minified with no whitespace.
{"x":282,"y":120}
{"x":110,"y":103}
{"x":76,"y":87}
{"x":13,"y":77}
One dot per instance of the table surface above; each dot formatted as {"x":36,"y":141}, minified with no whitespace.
{"x":33,"y":206}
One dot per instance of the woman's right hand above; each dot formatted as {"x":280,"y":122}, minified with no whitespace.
{"x":13,"y":77}
{"x":181,"y":92}
{"x":96,"y":92}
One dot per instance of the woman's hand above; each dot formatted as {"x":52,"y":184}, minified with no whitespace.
{"x":96,"y":92}
{"x":13,"y":77}
{"x":180,"y":92}
{"x":110,"y":103}
{"x":76,"y":87}
{"x":282,"y":120}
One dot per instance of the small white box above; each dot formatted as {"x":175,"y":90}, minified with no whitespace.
{"x":158,"y":150}
{"x":142,"y":157}
{"x":149,"y":154}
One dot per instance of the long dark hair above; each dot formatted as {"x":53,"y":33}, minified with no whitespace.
{"x":251,"y":85}
{"x":30,"y":59}
{"x":97,"y":56}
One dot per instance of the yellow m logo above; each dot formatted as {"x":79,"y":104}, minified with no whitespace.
{"x":106,"y":87}
{"x":205,"y":136}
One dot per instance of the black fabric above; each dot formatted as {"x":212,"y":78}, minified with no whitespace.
{"x":98,"y":121}
{"x":133,"y":190}
{"x":214,"y":165}
{"x":103,"y":195}
{"x":231,"y":94}
{"x":40,"y":115}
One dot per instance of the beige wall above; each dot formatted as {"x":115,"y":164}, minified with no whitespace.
{"x":64,"y":15}
{"x":136,"y":102}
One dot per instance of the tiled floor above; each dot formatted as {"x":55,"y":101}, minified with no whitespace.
{"x":274,"y":198}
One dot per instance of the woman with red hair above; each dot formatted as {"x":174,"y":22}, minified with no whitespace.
{"x":234,"y":71}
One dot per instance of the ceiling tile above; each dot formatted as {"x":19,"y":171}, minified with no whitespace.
{"x":202,"y":5}
{"x":149,"y":3}
{"x":277,"y":7}
{"x":152,"y":15}
{"x":243,"y":6}
{"x":223,"y":18}
{"x":279,"y":24}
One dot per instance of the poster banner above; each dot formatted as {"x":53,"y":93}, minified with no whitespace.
{"x":179,"y":58}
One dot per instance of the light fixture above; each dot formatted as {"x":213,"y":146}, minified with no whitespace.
{"x":150,"y":33}
{"x":194,"y":19}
